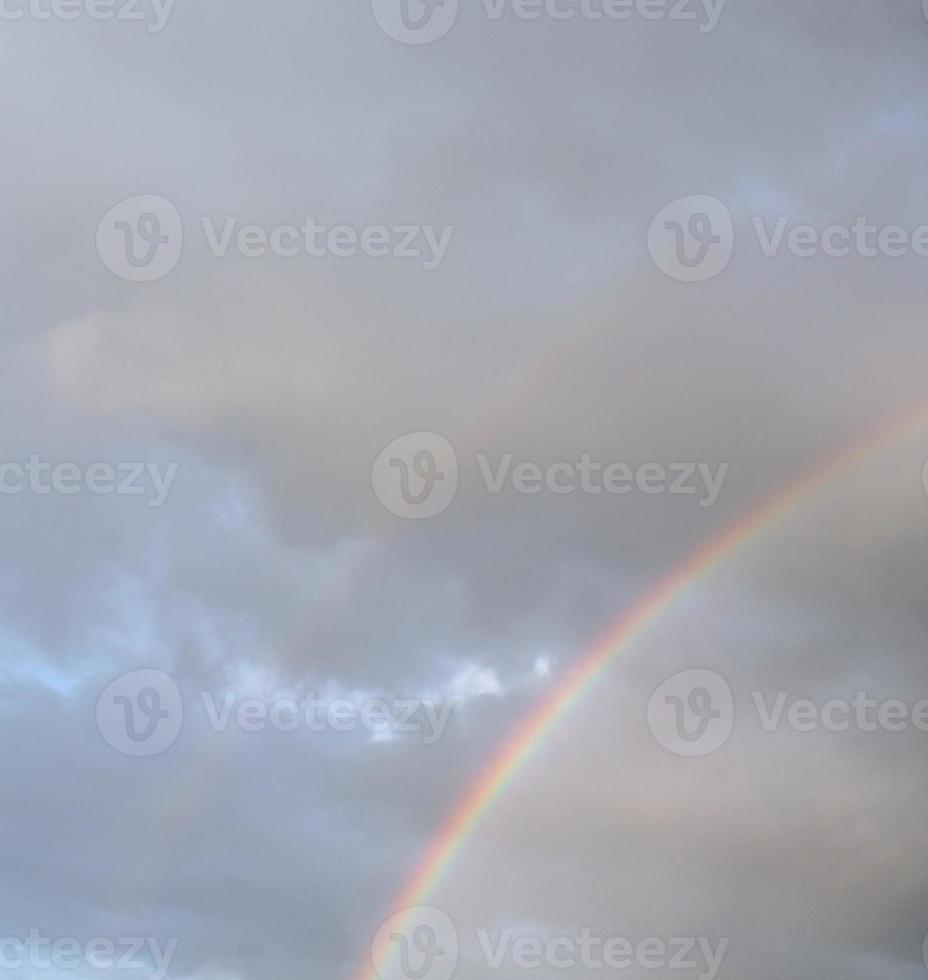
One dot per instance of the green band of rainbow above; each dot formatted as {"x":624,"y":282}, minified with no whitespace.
{"x":634,"y":622}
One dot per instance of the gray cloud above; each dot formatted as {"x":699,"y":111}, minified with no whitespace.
{"x":547,"y":332}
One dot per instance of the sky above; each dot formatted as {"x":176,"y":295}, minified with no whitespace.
{"x":364,"y":364}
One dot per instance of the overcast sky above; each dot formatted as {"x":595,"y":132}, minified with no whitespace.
{"x":467,"y":240}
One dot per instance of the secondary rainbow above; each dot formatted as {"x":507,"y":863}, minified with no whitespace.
{"x":634,"y":622}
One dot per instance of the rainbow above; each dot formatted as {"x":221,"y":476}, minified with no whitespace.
{"x":633,"y":623}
